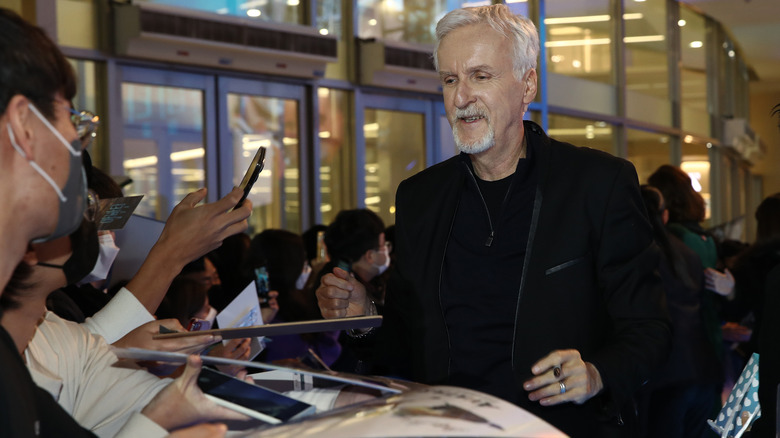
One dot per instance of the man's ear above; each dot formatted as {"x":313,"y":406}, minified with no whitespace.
{"x":18,"y":117}
{"x":368,"y":256}
{"x":530,"y":86}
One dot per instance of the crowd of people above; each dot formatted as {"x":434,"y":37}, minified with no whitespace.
{"x":524,"y":267}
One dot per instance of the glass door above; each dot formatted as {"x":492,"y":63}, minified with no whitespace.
{"x":168,"y":141}
{"x":395,"y":133}
{"x":255,"y":114}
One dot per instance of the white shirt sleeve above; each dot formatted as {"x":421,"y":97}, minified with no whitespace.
{"x":79,"y":369}
{"x":119,"y":317}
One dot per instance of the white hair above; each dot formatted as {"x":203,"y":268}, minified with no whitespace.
{"x":520,"y":30}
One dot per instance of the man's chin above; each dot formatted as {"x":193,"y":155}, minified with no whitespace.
{"x":473,"y":148}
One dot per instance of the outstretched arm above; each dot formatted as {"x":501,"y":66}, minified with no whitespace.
{"x":190,"y":232}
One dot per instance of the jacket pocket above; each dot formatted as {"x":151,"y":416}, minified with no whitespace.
{"x":564,"y":265}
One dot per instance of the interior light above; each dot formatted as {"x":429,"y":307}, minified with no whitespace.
{"x":189,"y":154}
{"x":644,"y":39}
{"x":324,"y":31}
{"x":576,"y":63}
{"x":696,"y":44}
{"x":732,"y":53}
{"x":681,"y":23}
{"x":688,"y":139}
{"x":293,"y":2}
{"x":254,"y":13}
{"x":372,"y":22}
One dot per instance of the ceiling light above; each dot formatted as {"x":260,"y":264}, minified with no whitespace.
{"x":324,"y":31}
{"x":681,"y":23}
{"x":293,"y":2}
{"x":696,"y":44}
{"x":253,"y":13}
{"x":372,"y":22}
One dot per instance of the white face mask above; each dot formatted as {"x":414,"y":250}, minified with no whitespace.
{"x":383,"y":267}
{"x":108,"y":252}
{"x":211,"y":316}
{"x":303,"y":278}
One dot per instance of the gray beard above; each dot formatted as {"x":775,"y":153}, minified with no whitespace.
{"x":486,"y":142}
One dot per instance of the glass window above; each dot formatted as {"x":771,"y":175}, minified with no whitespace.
{"x":278,"y":11}
{"x":647,"y":65}
{"x":87,"y":99}
{"x":337,"y":152}
{"x":648,"y":151}
{"x":579,"y":55}
{"x":329,"y":17}
{"x":696,"y":163}
{"x":695,"y":112}
{"x":163,"y":145}
{"x":594,"y":134}
{"x":726,"y":187}
{"x":579,"y":39}
{"x":76,"y":24}
{"x":395,"y":150}
{"x":411,"y":21}
{"x":256,"y":121}
{"x":518,"y":7}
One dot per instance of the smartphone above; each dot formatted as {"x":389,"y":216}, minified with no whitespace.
{"x":251,"y":400}
{"x":251,"y":174}
{"x":197,"y":324}
{"x":344,"y":265}
{"x":261,"y":283}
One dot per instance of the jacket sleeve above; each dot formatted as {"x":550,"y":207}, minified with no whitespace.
{"x":627,"y":261}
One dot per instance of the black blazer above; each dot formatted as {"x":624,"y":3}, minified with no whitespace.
{"x":589,"y":278}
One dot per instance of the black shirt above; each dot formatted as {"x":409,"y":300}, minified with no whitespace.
{"x":481,"y":278}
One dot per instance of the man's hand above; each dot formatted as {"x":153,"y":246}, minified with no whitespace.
{"x":142,"y":338}
{"x":269,"y":312}
{"x":182,"y":403}
{"x":201,"y":431}
{"x":237,"y":349}
{"x":562,"y":376}
{"x":190,"y":232}
{"x":341,"y":295}
{"x":193,"y":230}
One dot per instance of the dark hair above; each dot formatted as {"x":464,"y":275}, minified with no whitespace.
{"x":281,"y":252}
{"x":102,"y":183}
{"x":197,"y":265}
{"x":19,"y":282}
{"x":682,"y":201}
{"x":653,"y":203}
{"x":352,"y":233}
{"x":32,"y":65}
{"x":229,"y":259}
{"x":185,"y":297}
{"x":768,"y":218}
{"x":776,"y":111}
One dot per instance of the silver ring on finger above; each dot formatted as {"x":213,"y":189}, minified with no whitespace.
{"x":563,"y":387}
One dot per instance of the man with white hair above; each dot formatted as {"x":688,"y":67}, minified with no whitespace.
{"x":531,"y":261}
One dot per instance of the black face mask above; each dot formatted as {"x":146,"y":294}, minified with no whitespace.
{"x":85,"y":251}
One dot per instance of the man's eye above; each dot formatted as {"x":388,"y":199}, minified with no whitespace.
{"x":448,"y":81}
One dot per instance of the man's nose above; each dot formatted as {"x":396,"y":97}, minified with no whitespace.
{"x":463,"y":95}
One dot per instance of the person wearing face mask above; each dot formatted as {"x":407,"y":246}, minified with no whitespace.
{"x":355,"y":242}
{"x":282,"y":254}
{"x":44,"y":195}
{"x":77,"y":367}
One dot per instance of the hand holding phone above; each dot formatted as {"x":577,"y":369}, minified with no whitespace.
{"x":252,"y":172}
